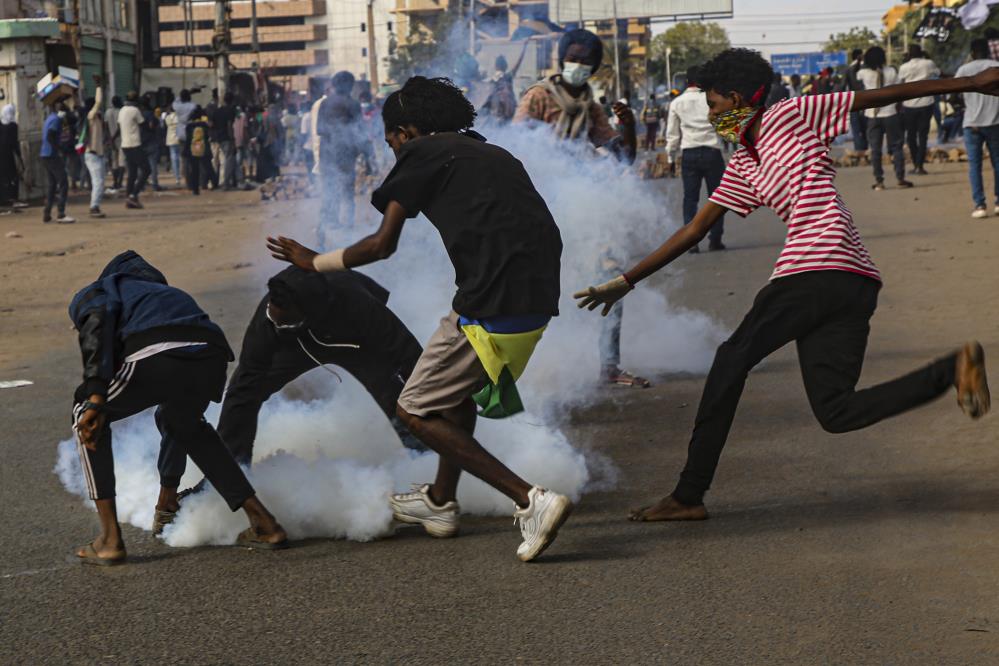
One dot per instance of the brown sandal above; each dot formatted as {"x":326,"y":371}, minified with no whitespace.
{"x":249,"y":538}
{"x":161,"y":519}
{"x":90,"y":556}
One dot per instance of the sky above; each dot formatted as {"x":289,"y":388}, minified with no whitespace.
{"x":779,"y":26}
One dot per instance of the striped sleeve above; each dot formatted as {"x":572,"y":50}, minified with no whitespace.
{"x":827,"y":115}
{"x":735,"y":192}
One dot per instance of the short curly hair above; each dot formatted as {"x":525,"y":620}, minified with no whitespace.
{"x":429,"y":105}
{"x":737,"y":70}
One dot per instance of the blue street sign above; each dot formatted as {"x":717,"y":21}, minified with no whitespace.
{"x":806,"y":63}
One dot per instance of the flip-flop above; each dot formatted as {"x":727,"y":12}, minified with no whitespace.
{"x":248,"y":538}
{"x":90,"y":556}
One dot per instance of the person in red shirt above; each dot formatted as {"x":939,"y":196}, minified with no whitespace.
{"x":824,"y":288}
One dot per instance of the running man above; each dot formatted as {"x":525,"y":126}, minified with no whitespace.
{"x":146,"y":344}
{"x":506,"y":251}
{"x":824,"y":289}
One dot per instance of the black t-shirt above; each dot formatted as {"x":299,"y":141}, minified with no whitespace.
{"x":222,"y":119}
{"x":497,"y":229}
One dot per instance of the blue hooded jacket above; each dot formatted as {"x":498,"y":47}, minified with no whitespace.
{"x":129,"y":307}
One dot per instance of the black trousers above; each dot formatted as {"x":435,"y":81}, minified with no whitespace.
{"x":827,"y":313}
{"x":55,"y":171}
{"x":138,"y":170}
{"x":701,"y":164}
{"x":916,"y":123}
{"x":253,"y":383}
{"x":180,"y":384}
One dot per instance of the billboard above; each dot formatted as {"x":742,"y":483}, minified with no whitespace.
{"x":570,"y":11}
{"x":806,"y":63}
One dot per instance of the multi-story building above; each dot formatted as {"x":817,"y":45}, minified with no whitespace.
{"x":291,"y":37}
{"x":351,"y":24}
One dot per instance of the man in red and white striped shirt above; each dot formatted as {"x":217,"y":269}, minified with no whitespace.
{"x":824,"y":288}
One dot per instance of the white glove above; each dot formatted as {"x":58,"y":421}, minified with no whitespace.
{"x":606,"y":294}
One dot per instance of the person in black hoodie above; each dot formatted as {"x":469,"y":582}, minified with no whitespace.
{"x":147,"y":344}
{"x":306,"y":320}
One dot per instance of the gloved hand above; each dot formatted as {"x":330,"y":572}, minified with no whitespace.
{"x":606,"y":294}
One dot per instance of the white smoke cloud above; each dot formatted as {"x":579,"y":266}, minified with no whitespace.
{"x":326,"y":462}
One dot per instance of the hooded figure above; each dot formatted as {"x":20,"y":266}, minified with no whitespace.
{"x":128,"y":308}
{"x":306,"y":320}
{"x":11,"y":163}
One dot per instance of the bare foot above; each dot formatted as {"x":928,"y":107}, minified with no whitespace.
{"x":669,"y":509}
{"x":971,"y":382}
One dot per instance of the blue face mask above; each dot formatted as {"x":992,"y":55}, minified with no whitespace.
{"x":576,"y":74}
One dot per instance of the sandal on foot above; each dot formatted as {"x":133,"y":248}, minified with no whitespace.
{"x":625,"y":378}
{"x":90,"y":556}
{"x":161,"y":519}
{"x":249,"y":538}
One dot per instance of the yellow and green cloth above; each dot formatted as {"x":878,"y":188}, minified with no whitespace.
{"x":504,"y":346}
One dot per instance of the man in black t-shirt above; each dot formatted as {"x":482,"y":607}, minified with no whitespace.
{"x":223,"y":148}
{"x":506,"y":250}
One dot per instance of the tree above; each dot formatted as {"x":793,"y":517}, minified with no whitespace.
{"x":856,"y":38}
{"x":431,"y":49}
{"x":689,"y":44}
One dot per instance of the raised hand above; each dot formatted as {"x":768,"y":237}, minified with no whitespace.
{"x":606,"y":294}
{"x":290,"y":250}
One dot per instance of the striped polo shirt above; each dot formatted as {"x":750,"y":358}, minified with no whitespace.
{"x":794,"y":177}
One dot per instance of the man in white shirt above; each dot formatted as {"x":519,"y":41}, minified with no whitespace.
{"x":129,"y":122}
{"x":689,"y":131}
{"x":981,"y":126}
{"x":882,"y":121}
{"x":917,"y":113}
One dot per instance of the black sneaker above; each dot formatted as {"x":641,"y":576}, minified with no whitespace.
{"x":904,"y":184}
{"x":715,"y":246}
{"x":96,"y":212}
{"x":46,"y":216}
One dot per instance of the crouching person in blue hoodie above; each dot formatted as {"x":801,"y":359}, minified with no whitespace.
{"x":147,"y":344}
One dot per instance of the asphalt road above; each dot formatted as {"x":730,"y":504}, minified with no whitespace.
{"x":874,"y":547}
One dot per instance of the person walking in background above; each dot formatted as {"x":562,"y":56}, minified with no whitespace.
{"x":794,"y":89}
{"x":290,"y":124}
{"x":953,"y":118}
{"x":778,"y":91}
{"x":223,"y":151}
{"x":55,"y":166}
{"x":11,"y":162}
{"x":67,"y":145}
{"x":651,"y":120}
{"x":150,"y":137}
{"x":197,"y":149}
{"x":170,"y":121}
{"x":115,"y":155}
{"x":183,"y":107}
{"x":981,"y":127}
{"x":130,"y":122}
{"x":93,"y":155}
{"x":341,"y":142}
{"x":858,"y":121}
{"x":917,"y":113}
{"x":241,"y":145}
{"x":689,"y":133}
{"x":882,"y":123}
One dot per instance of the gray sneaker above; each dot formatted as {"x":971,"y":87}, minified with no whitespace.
{"x":416,"y":508}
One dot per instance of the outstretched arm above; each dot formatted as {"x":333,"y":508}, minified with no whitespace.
{"x":985,"y":82}
{"x":685,"y":238}
{"x":379,"y":245}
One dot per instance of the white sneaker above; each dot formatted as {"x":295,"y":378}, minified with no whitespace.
{"x":980,"y":212}
{"x":996,"y":209}
{"x":416,"y":508}
{"x":540,"y":521}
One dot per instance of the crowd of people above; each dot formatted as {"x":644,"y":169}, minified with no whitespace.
{"x":147,"y":344}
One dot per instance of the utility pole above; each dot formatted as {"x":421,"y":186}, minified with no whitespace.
{"x":617,"y":58}
{"x":372,"y":55}
{"x":254,"y":44}
{"x":108,"y":52}
{"x":221,"y":41}
{"x":580,"y":13}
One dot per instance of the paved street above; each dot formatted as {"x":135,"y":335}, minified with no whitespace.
{"x":880,"y":546}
